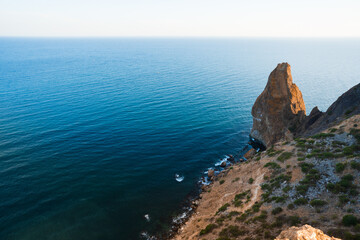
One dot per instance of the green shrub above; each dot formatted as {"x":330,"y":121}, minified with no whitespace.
{"x":223,"y":208}
{"x":357,"y":227}
{"x":355,"y":165}
{"x":349,"y":220}
{"x":284,"y":156}
{"x":332,"y":130}
{"x":348,"y":150}
{"x":325,"y":155}
{"x":239,"y":197}
{"x":236,"y":179}
{"x":294,"y":220}
{"x":243,"y":217}
{"x":262,"y":217}
{"x":221,"y":181}
{"x":220,"y":220}
{"x":356,"y":133}
{"x":232,"y":231}
{"x":276,"y":210}
{"x":301,"y":201}
{"x":291,"y":206}
{"x":256,"y":207}
{"x":287,"y":189}
{"x":281,"y":199}
{"x":323,"y":135}
{"x":272,"y":165}
{"x":349,"y":111}
{"x":339,"y":167}
{"x":317,"y":203}
{"x":208,"y":229}
{"x":302,"y":189}
{"x":305,"y":167}
{"x":251,"y":180}
{"x":343,"y":199}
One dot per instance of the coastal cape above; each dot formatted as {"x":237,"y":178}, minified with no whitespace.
{"x":308,"y":175}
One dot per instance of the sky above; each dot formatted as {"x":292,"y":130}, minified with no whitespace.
{"x":180,"y":18}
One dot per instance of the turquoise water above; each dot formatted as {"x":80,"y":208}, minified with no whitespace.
{"x":92,"y":131}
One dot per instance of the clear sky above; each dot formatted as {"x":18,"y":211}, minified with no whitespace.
{"x":221,"y":18}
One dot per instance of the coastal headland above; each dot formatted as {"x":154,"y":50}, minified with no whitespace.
{"x":305,"y":185}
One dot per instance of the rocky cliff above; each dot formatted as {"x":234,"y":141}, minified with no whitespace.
{"x":348,"y":104}
{"x":279,"y":109}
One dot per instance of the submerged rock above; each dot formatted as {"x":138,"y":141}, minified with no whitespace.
{"x":305,"y":232}
{"x":280,"y":108}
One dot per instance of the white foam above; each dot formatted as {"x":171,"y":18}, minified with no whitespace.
{"x":179,"y":178}
{"x":147,"y":217}
{"x":225,"y":159}
{"x":205,"y":181}
{"x":147,"y":236}
{"x":179,"y":219}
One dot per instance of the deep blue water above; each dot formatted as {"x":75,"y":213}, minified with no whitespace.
{"x":92,"y":131}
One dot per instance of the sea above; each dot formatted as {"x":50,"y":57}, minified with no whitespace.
{"x":106,"y":138}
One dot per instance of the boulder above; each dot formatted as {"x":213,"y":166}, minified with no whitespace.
{"x":211,"y":173}
{"x":305,"y":232}
{"x":279,"y":110}
{"x":249,"y":154}
{"x":223,"y":164}
{"x":231,"y":158}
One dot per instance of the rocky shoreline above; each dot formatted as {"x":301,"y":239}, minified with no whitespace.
{"x":303,"y":167}
{"x":191,"y":202}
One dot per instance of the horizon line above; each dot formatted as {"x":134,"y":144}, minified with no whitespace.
{"x":164,"y":36}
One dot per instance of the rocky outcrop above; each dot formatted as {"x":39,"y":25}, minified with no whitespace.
{"x":348,"y":104}
{"x":305,"y":232}
{"x":249,"y":154}
{"x":280,"y":108}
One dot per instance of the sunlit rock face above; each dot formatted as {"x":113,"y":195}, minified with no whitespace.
{"x":305,"y":232}
{"x":280,"y":108}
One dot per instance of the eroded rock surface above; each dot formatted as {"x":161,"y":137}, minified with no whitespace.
{"x":305,"y":232}
{"x":280,"y":108}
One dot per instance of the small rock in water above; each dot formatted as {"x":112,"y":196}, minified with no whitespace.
{"x":223,"y":164}
{"x":179,"y":178}
{"x":147,"y":217}
{"x":211,"y":173}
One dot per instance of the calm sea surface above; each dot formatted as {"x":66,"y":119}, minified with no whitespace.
{"x":92,"y":131}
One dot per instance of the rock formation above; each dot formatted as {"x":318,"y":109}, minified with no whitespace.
{"x":305,"y":232}
{"x":280,"y":108}
{"x":346,"y":105}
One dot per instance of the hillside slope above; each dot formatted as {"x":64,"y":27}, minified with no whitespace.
{"x":313,"y":180}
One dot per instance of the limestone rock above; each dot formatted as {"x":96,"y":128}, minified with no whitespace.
{"x":280,"y":108}
{"x":305,"y":232}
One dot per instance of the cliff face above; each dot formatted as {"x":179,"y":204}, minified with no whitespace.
{"x":279,"y":108}
{"x":348,"y":104}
